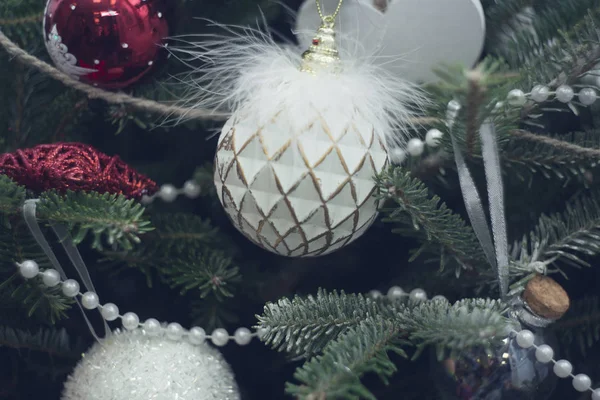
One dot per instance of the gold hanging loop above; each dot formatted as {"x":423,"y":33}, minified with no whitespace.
{"x":328,"y":18}
{"x":323,"y":53}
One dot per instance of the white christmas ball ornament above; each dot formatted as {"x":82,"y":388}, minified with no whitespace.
{"x":135,"y":366}
{"x":300,"y":193}
{"x":309,"y":131}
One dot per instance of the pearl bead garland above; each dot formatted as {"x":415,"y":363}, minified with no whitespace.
{"x":30,"y":269}
{"x":168,"y":193}
{"x":525,"y":339}
{"x":110,"y":312}
{"x":562,"y":368}
{"x":515,"y":98}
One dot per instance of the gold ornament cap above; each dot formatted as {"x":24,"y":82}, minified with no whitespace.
{"x":546,"y":297}
{"x":323,"y":54}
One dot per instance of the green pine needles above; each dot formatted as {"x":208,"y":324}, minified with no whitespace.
{"x":360,"y":350}
{"x":354,"y":335}
{"x":12,"y":197}
{"x":21,"y":296}
{"x":416,"y":213}
{"x":579,"y":329}
{"x":562,"y":158}
{"x":304,"y":325}
{"x":568,"y":237}
{"x":107,"y":218}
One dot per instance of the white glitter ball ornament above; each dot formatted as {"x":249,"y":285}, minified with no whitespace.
{"x":132,"y":365}
{"x":296,"y":162}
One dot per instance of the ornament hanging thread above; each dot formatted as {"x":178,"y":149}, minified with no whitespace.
{"x":295,"y":163}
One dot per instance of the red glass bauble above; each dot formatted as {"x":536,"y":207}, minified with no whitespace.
{"x":108,"y":43}
{"x":76,"y":167}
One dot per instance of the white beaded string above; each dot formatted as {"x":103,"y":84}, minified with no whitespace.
{"x":525,"y":339}
{"x":219,"y":337}
{"x":29,"y":269}
{"x":562,"y":368}
{"x":168,"y":193}
{"x":515,"y":98}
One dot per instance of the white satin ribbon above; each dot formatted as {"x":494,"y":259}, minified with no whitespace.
{"x":496,"y":250}
{"x":29,"y":214}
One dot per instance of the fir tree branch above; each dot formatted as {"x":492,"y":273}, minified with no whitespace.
{"x":53,"y":342}
{"x":453,"y":328}
{"x":430,"y":220}
{"x":209,"y":272}
{"x":571,"y":156}
{"x":27,"y":19}
{"x":500,"y":18}
{"x":580,"y":326}
{"x":336,"y":374}
{"x":553,"y":16}
{"x":183,"y":242}
{"x":203,"y":176}
{"x":31,"y":295}
{"x":561,"y":145}
{"x":562,"y":61}
{"x":211,"y":313}
{"x":12,"y":196}
{"x":475,"y":101}
{"x":177,"y":233}
{"x":21,"y":19}
{"x":39,"y":300}
{"x":304,"y":326}
{"x":568,"y":236}
{"x":106,"y":217}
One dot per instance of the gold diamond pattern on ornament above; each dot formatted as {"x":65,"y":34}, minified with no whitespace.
{"x":299,"y":195}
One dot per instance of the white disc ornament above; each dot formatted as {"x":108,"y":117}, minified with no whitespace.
{"x":411,"y":36}
{"x":295,"y":164}
{"x":133,"y":365}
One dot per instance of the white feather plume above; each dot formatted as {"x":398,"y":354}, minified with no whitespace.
{"x":245,"y":71}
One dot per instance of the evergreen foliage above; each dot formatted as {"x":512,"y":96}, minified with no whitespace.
{"x":560,"y":162}
{"x":208,"y":273}
{"x":570,"y":54}
{"x":416,"y":213}
{"x":453,"y":328}
{"x":304,"y":325}
{"x":360,"y":350}
{"x":109,"y":218}
{"x":579,"y":329}
{"x":204,"y":274}
{"x":53,"y":342}
{"x":354,"y":334}
{"x":12,"y":197}
{"x":32,"y":297}
{"x":569,"y":236}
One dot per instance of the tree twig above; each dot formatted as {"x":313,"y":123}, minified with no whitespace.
{"x":110,"y":97}
{"x":566,"y":146}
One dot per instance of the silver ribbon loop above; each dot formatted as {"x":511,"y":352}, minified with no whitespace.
{"x":29,"y":214}
{"x":496,"y":250}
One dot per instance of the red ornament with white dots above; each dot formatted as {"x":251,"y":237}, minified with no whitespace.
{"x":107,"y":43}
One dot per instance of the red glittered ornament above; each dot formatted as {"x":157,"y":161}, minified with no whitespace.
{"x":74,"y":166}
{"x":108,"y":43}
